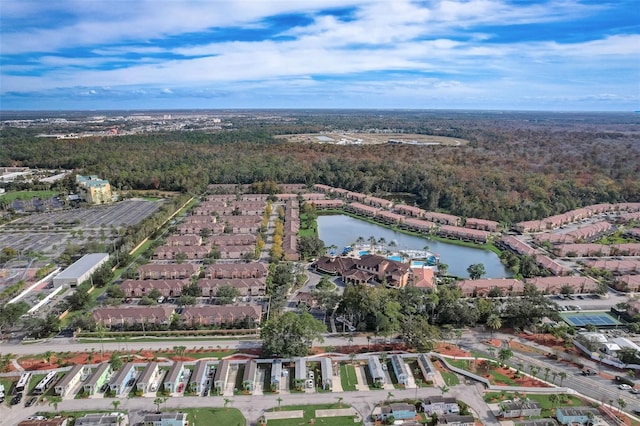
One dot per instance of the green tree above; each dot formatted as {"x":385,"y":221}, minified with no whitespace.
{"x":562,"y":376}
{"x":115,"y":362}
{"x":504,"y":355}
{"x":226,"y":294}
{"x":494,"y":323}
{"x":418,"y":334}
{"x":290,"y":334}
{"x":476,"y":271}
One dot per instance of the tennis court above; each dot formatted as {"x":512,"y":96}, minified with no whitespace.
{"x":599,"y":319}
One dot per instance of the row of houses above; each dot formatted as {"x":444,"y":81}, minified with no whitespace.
{"x":520,"y":247}
{"x":556,"y":221}
{"x":585,"y":250}
{"x":178,"y":271}
{"x":616,"y":267}
{"x":379,"y":206}
{"x":208,"y":287}
{"x":584,"y":234}
{"x":161,"y":315}
{"x":291,"y":227}
{"x":513,"y":287}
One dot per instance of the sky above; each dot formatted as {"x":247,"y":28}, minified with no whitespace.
{"x":376,"y":54}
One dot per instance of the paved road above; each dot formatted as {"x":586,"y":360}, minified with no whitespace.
{"x":596,"y":387}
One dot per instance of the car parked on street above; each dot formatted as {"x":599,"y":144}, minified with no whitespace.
{"x":624,"y":386}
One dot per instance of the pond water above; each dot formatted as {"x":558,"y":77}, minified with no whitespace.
{"x":342,"y":231}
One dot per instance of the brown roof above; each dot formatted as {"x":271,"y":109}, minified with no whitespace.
{"x":133,"y":314}
{"x":213,"y":314}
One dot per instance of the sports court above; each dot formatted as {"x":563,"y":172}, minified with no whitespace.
{"x":599,"y":319}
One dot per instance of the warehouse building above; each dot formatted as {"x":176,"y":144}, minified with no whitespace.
{"x":81,"y":270}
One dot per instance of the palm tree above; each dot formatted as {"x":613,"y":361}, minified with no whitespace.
{"x":340,"y":399}
{"x":554,"y":399}
{"x":494,"y":323}
{"x":158,"y":401}
{"x":360,"y":241}
{"x":393,"y":244}
{"x":116,"y":404}
{"x":382,"y":241}
{"x":562,"y":376}
{"x":553,"y":376}
{"x":227,"y":401}
{"x":389,"y":396}
{"x":372,"y":241}
{"x":621,"y":404}
{"x":47,"y":357}
{"x":546,"y":373}
{"x":279,"y":402}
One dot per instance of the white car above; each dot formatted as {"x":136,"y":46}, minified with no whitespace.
{"x":624,"y":386}
{"x":154,"y":387}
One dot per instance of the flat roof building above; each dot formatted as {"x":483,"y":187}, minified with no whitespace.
{"x":81,"y":270}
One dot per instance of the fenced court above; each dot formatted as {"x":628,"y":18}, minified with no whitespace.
{"x":599,"y":319}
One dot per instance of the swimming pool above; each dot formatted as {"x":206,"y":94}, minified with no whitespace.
{"x":396,"y":258}
{"x":363,"y":252}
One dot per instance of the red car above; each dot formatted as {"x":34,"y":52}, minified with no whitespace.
{"x":180,"y":387}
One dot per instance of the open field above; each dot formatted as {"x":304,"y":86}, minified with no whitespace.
{"x":340,"y":138}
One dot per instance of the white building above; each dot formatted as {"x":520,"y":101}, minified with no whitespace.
{"x":81,"y":270}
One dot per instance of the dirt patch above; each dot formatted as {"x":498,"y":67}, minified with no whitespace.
{"x":497,"y":343}
{"x":450,"y":349}
{"x":544,"y":339}
{"x":524,"y":348}
{"x":496,"y":375}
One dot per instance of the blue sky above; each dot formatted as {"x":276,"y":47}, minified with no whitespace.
{"x":471,"y":54}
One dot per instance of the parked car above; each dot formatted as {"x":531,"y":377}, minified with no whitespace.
{"x":588,"y":372}
{"x":104,"y":387}
{"x":154,"y":387}
{"x":624,"y":386}
{"x":31,"y":401}
{"x":131,"y":381}
{"x":180,"y":387}
{"x":635,"y":391}
{"x":16,"y":399}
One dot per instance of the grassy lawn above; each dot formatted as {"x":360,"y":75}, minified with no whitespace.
{"x":310,"y":413}
{"x":215,"y":416}
{"x":28,"y":195}
{"x":35,"y":379}
{"x":7,"y":388}
{"x":460,"y":363}
{"x":449,"y":378}
{"x":565,"y":401}
{"x":348,"y":377}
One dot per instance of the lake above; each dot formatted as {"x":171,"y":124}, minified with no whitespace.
{"x":342,"y":231}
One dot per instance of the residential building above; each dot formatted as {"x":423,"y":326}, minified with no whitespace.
{"x":483,"y":287}
{"x":126,"y":316}
{"x":441,"y":405}
{"x":630,"y":283}
{"x":208,"y":315}
{"x":326,"y":369}
{"x":575,"y":415}
{"x":94,"y":190}
{"x":166,"y":288}
{"x":400,"y":411}
{"x":482,"y":224}
{"x":249,"y":376}
{"x":174,"y":271}
{"x":118,"y":382}
{"x":236,"y":270}
{"x":165,"y":419}
{"x":300,"y":372}
{"x":173,"y":377}
{"x":199,"y":378}
{"x":426,"y":367}
{"x":148,"y":377}
{"x":400,"y":369}
{"x":554,"y":285}
{"x":221,"y":375}
{"x":97,"y":379}
{"x":376,"y":371}
{"x":456,"y":420}
{"x":520,"y":408}
{"x":370,"y":268}
{"x":245,"y":286}
{"x":69,"y":380}
{"x":103,"y":419}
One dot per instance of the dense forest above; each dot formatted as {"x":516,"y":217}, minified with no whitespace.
{"x":516,"y":167}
